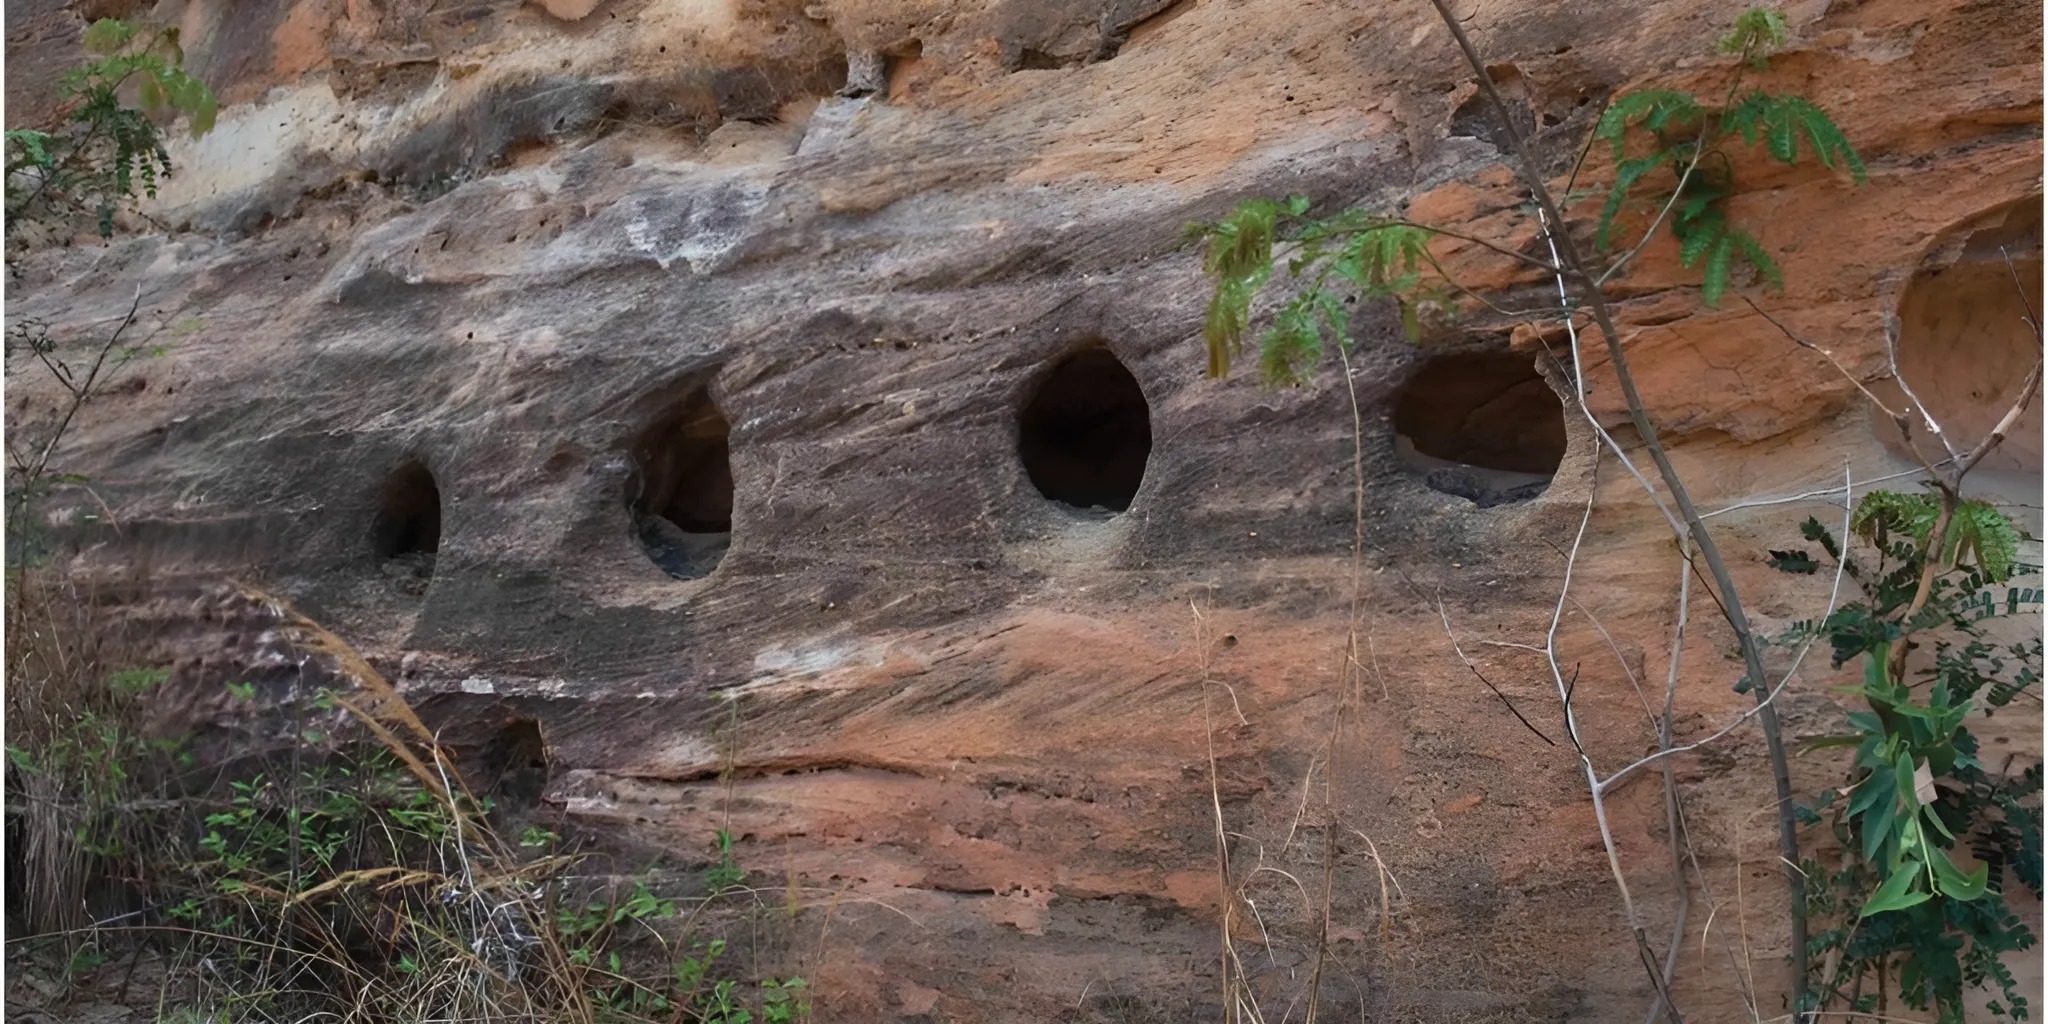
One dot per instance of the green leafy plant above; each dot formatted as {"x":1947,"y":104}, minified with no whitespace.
{"x":1346,"y":258}
{"x":782,"y":1002}
{"x":1337,"y":263}
{"x":103,"y":151}
{"x":1676,"y":132}
{"x":1668,"y":146}
{"x":1756,"y":33}
{"x":726,"y":873}
{"x":1917,"y":793}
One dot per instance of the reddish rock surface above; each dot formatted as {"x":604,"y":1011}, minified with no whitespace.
{"x":986,"y":736}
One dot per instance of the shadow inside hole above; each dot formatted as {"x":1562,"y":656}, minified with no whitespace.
{"x":1483,"y":426}
{"x":1477,"y":118}
{"x":1086,"y":434}
{"x":514,"y":765}
{"x":681,"y":490}
{"x":406,"y":533}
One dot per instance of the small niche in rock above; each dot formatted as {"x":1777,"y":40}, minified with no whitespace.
{"x":1483,"y":426}
{"x":1086,"y":433}
{"x":1476,"y":118}
{"x":406,"y":533}
{"x":1964,"y":342}
{"x":680,"y":494}
{"x":516,"y":764}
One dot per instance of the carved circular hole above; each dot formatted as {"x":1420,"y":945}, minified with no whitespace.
{"x":407,"y":527}
{"x":1086,"y":433}
{"x":1483,"y":426}
{"x":1964,"y":343}
{"x":680,"y":492}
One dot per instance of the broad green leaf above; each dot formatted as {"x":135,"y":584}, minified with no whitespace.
{"x":1876,"y":788}
{"x":1927,"y":815}
{"x":1959,"y":886}
{"x":1903,"y":783}
{"x":1896,"y":892}
{"x":202,"y":114}
{"x":107,"y":35}
{"x":1828,"y":742}
{"x":1878,"y":825}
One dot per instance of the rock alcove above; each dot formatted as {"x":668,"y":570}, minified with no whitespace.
{"x":1086,"y":433}
{"x":1483,"y":426}
{"x":681,"y":491}
{"x":1965,"y":344}
{"x":406,"y":532}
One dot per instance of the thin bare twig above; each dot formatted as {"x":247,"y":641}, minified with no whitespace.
{"x":1595,"y":300}
{"x":1771,"y":698}
{"x":1474,"y":669}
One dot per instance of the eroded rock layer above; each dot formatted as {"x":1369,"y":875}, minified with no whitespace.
{"x":639,"y":368}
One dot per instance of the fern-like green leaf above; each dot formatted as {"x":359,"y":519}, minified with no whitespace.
{"x":1224,"y":326}
{"x":30,"y":148}
{"x":1714,"y":282}
{"x":1240,"y":258}
{"x":1378,"y":258}
{"x":1882,"y":513}
{"x":1983,"y":534}
{"x":202,"y":112}
{"x":1781,"y":137}
{"x":1746,"y":118}
{"x":1753,"y":251}
{"x":1827,"y":138}
{"x":1756,"y":33}
{"x":1697,"y":236}
{"x":1656,"y":108}
{"x":1785,"y":120}
{"x":1694,"y":208}
{"x":1411,"y":320}
{"x":150,"y":91}
{"x":1626,"y":174}
{"x":1293,"y":345}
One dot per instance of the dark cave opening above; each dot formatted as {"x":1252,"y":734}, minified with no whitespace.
{"x":515,"y":763}
{"x":1483,"y":426}
{"x":681,"y":490}
{"x":407,"y":526}
{"x":1086,"y":433}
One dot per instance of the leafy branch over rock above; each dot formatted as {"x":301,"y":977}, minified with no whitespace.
{"x":1917,"y":789}
{"x":1336,"y":263}
{"x":103,"y":150}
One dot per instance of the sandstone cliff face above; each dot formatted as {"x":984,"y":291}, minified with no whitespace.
{"x":469,"y":307}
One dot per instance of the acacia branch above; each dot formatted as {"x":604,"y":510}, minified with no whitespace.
{"x":1596,"y":301}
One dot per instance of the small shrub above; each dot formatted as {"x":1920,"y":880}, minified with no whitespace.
{"x":102,"y":151}
{"x":1917,"y":789}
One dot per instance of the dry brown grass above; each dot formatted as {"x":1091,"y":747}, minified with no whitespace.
{"x":354,"y":875}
